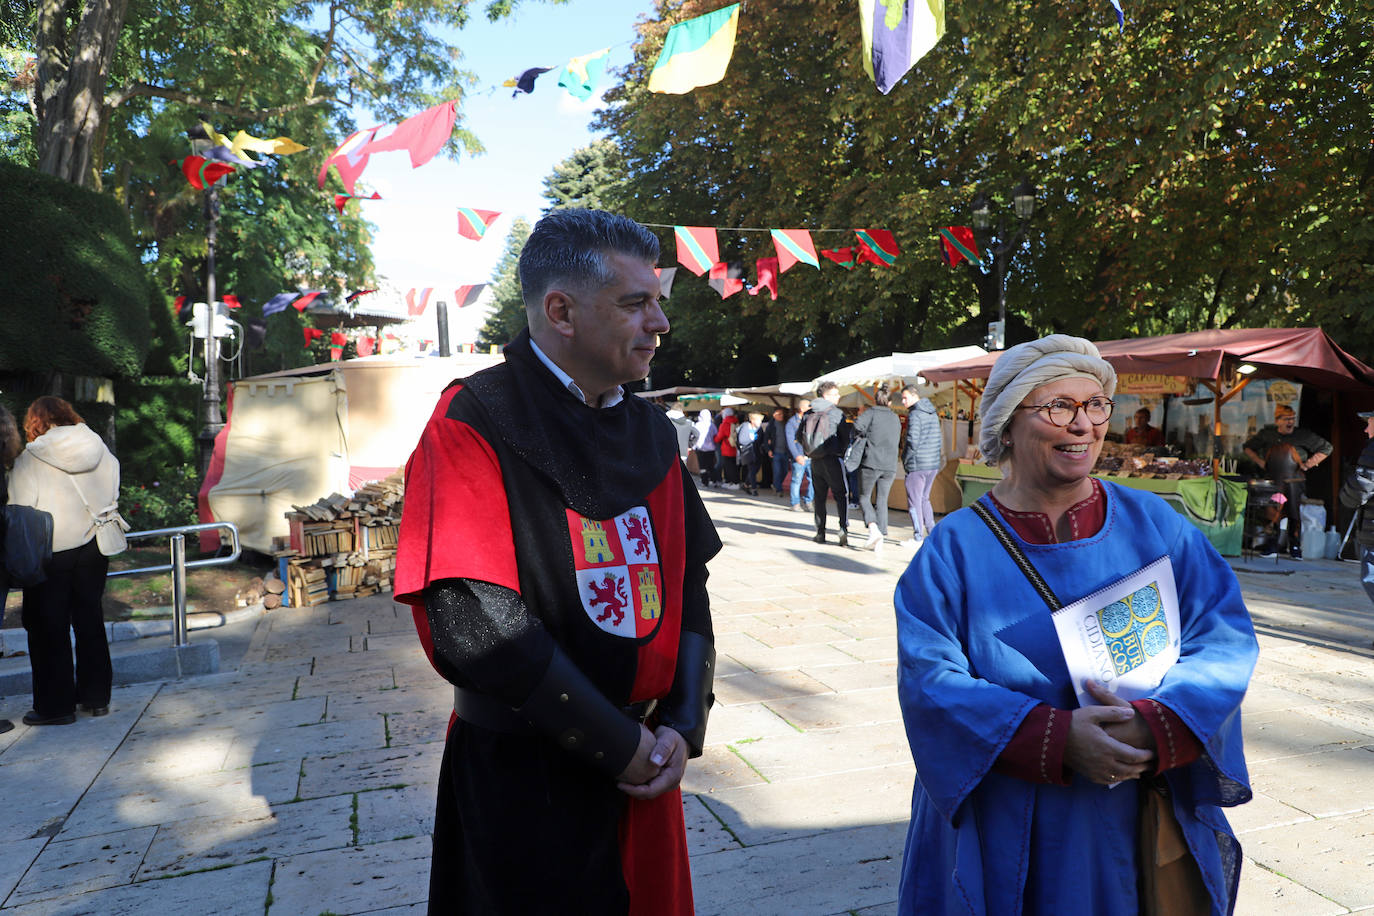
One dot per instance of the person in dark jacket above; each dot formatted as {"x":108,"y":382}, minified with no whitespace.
{"x":1356,"y":493}
{"x":881,"y":430}
{"x":827,"y":465}
{"x":1287,"y":452}
{"x":922,"y":462}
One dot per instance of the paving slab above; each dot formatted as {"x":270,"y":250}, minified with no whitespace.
{"x":820,"y":875}
{"x":1322,"y":785}
{"x":395,"y":814}
{"x":238,"y":891}
{"x":1289,"y":733}
{"x":1264,"y":893}
{"x":766,"y":813}
{"x":353,"y":879}
{"x":85,"y":864}
{"x":206,"y":842}
{"x":1333,"y":857}
{"x":366,"y":770}
{"x":820,"y":753}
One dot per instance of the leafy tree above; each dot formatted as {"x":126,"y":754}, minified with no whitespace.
{"x":508,"y":310}
{"x":1209,"y":166}
{"x":587,"y":178}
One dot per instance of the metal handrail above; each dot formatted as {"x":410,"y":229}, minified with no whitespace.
{"x":178,"y":566}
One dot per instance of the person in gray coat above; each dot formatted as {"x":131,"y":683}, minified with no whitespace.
{"x":923,"y":459}
{"x":881,"y":430}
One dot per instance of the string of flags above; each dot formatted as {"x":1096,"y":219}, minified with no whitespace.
{"x":341,"y":199}
{"x":473,"y":224}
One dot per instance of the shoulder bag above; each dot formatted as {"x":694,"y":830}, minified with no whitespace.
{"x":1170,"y":880}
{"x":28,"y":544}
{"x":109,"y":526}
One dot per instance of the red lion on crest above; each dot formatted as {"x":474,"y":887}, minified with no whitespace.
{"x":637,"y":529}
{"x":611,"y":592}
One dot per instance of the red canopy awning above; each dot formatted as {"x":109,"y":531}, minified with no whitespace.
{"x":1301,"y":354}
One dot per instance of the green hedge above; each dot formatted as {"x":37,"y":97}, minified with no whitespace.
{"x":74,"y":297}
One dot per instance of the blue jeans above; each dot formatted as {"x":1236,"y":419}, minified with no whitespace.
{"x":780,"y":463}
{"x":798,"y":477}
{"x":1367,"y":570}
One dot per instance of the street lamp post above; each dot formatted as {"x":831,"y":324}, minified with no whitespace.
{"x":1000,"y":246}
{"x":210,"y":412}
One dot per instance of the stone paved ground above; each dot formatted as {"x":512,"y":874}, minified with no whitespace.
{"x":302,"y":781}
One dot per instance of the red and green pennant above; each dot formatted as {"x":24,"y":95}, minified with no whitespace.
{"x":473,"y":224}
{"x":696,"y":248}
{"x":956,"y":244}
{"x":841,"y":256}
{"x":202,"y":172}
{"x":877,"y":246}
{"x":794,"y":247}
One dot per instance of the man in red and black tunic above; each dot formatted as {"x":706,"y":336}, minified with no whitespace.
{"x":554,"y":552}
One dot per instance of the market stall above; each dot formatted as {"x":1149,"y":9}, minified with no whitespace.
{"x":1213,"y":390}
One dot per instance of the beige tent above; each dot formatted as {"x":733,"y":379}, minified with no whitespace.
{"x":295,"y":436}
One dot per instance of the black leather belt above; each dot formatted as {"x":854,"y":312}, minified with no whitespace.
{"x":484,"y":712}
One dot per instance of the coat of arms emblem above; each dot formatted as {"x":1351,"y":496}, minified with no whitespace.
{"x":619,"y":580}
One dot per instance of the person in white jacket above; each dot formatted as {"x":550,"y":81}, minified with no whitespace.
{"x":66,"y":470}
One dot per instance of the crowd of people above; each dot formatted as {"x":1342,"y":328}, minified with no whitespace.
{"x":845,"y":458}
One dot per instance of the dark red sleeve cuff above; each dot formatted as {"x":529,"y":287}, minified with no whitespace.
{"x":1175,"y":743}
{"x":1036,"y":752}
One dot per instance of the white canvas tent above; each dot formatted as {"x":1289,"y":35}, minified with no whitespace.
{"x":295,"y":436}
{"x":858,"y":381}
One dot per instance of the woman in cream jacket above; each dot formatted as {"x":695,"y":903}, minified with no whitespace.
{"x":66,"y":470}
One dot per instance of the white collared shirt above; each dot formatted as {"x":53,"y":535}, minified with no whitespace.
{"x":615,"y":396}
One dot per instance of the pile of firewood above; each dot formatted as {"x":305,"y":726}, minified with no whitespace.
{"x":343,"y":546}
{"x":265,"y":590}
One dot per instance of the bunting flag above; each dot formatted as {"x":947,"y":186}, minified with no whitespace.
{"x":768,"y":277}
{"x":794,"y":246}
{"x":202,"y":172}
{"x":696,"y":52}
{"x":350,"y":158}
{"x":278,"y":303}
{"x":525,"y":81}
{"x":896,"y":34}
{"x":877,"y":246}
{"x":367,"y":346}
{"x":226,"y":155}
{"x":1120,"y":15}
{"x":696,"y":248}
{"x":178,"y":303}
{"x":841,"y":256}
{"x":337,"y":341}
{"x":727,"y":278}
{"x":341,"y":199}
{"x":358,"y":292}
{"x":306,"y":298}
{"x":665,"y":280}
{"x":473,"y":224}
{"x":416,"y":306}
{"x":231,"y":301}
{"x":957,"y":243}
{"x":311,"y":335}
{"x":277,"y":146}
{"x":581,"y":75}
{"x":421,"y":135}
{"x":464,"y":296}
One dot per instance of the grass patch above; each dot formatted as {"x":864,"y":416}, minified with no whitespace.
{"x":208,"y":868}
{"x":734,"y":750}
{"x":719,"y":820}
{"x":799,"y":729}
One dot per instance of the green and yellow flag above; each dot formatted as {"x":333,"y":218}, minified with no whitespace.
{"x":696,"y":52}
{"x":581,"y":75}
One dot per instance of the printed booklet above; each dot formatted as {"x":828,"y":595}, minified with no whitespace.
{"x":1124,"y":636}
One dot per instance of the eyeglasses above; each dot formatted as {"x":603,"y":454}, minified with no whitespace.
{"x":1061,"y":411}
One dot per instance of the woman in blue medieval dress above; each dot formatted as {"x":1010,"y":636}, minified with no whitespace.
{"x":1026,"y":801}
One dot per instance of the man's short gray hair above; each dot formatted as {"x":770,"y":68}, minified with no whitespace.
{"x":571,"y":246}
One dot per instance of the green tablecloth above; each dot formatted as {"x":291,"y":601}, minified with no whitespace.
{"x":1217,"y":507}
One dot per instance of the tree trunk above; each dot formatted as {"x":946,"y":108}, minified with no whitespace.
{"x":72,"y":71}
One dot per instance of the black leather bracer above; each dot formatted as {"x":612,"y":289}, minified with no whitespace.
{"x":689,"y":701}
{"x":570,"y":710}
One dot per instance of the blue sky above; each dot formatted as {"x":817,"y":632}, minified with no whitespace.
{"x":416,"y":241}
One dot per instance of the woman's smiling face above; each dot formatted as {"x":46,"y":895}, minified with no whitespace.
{"x":1050,"y":456}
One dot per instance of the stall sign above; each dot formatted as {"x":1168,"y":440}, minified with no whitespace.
{"x":1152,"y":384}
